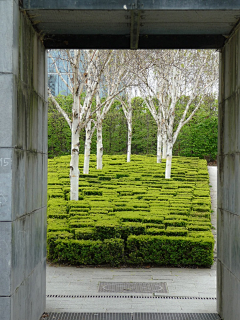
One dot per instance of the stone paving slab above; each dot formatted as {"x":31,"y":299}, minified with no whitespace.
{"x":196,"y":283}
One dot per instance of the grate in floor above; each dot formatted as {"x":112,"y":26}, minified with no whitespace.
{"x":140,"y":287}
{"x":125,"y":296}
{"x":130,"y":316}
{"x":176,"y":316}
{"x":87,"y":316}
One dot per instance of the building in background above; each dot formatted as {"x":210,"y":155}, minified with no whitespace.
{"x":56,"y":85}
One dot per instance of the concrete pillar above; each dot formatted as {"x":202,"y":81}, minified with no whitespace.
{"x":228,"y":269}
{"x":23,"y":167}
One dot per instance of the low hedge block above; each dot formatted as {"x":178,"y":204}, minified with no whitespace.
{"x":162,"y":204}
{"x":89,"y":192}
{"x":55,"y":193}
{"x":199,"y":220}
{"x":79,"y":223}
{"x":153,"y":219}
{"x":121,"y":175}
{"x":175,"y":223}
{"x":57,"y":203}
{"x":176,"y":231}
{"x":135,"y":217}
{"x":200,"y":234}
{"x":201,"y":214}
{"x":77,"y":217}
{"x":85,"y":233}
{"x":113,"y":252}
{"x":57,"y":225}
{"x":78,"y":204}
{"x":88,"y":252}
{"x":197,"y":227}
{"x":202,"y":208}
{"x":100,"y":210}
{"x":177,"y":217}
{"x":107,"y":229}
{"x":78,"y":252}
{"x":128,"y":228}
{"x":57,"y":209}
{"x":51,"y":239}
{"x":125,"y":208}
{"x":180,"y":204}
{"x":201,"y":193}
{"x":168,"y":192}
{"x":77,"y":210}
{"x":184,"y":212}
{"x":154,"y":225}
{"x":174,"y":251}
{"x":105,"y":178}
{"x":202,"y":201}
{"x":55,"y":215}
{"x":155,"y":231}
{"x":140,"y":204}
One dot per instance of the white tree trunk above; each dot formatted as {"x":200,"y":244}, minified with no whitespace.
{"x":74,"y":170}
{"x":159,"y":142}
{"x":129,"y":145}
{"x":164,"y":151}
{"x":169,"y":161}
{"x":99,"y":145}
{"x":87,"y":149}
{"x":127,"y":109}
{"x":99,"y":129}
{"x":164,"y":154}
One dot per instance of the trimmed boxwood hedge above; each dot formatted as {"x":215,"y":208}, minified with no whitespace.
{"x":129,"y":214}
{"x":174,"y":251}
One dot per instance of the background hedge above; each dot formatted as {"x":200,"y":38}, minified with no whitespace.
{"x":198,"y":138}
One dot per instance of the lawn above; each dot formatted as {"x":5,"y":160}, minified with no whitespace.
{"x":128,"y":214}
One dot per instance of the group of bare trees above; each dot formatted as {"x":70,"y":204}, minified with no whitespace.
{"x":173,"y":75}
{"x":97,"y":78}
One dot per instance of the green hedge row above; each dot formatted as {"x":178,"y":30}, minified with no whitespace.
{"x":139,"y":250}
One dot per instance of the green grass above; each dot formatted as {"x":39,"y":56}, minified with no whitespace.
{"x":128,"y":213}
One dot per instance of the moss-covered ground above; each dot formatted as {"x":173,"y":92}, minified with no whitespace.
{"x":128,"y":213}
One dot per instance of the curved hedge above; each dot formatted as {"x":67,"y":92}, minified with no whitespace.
{"x":129,"y":214}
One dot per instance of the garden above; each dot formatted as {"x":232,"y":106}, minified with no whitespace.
{"x":129,"y":214}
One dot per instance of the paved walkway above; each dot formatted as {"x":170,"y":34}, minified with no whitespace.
{"x":188,"y":290}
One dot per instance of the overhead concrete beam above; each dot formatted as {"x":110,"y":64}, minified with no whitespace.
{"x":141,"y":4}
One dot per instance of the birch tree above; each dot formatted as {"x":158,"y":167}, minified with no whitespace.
{"x":149,"y":93}
{"x":117,"y":78}
{"x":83,"y":70}
{"x":128,"y":110}
{"x":114,"y":79}
{"x":174,"y":74}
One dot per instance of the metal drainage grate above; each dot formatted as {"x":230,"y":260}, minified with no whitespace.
{"x":141,"y":287}
{"x":83,"y":296}
{"x":130,"y":316}
{"x":87,"y":316}
{"x":176,"y":316}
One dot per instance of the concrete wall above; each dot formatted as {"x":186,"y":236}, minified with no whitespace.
{"x":228,"y":271}
{"x":23,"y":167}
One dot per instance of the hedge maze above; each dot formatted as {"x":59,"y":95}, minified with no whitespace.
{"x":129,"y":214}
